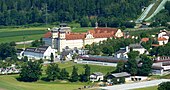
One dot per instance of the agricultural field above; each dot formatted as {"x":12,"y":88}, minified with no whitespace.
{"x":19,"y":34}
{"x":9,"y":82}
{"x":152,"y":31}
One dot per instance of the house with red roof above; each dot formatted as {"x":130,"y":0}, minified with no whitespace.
{"x":60,"y":38}
{"x":163,"y":37}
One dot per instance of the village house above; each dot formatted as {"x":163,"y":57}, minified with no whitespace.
{"x":122,"y":53}
{"x":20,"y":53}
{"x":96,"y":76}
{"x":163,"y":37}
{"x":138,"y":47}
{"x":42,"y":52}
{"x":117,"y":76}
{"x":62,"y":37}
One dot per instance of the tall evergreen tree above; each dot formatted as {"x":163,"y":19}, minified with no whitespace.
{"x":74,"y":75}
{"x":146,"y":67}
{"x":64,"y":74}
{"x":53,"y":72}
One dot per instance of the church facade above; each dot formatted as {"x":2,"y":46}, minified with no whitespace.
{"x":60,"y":38}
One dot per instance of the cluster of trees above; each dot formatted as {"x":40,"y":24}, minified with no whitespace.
{"x":109,"y":46}
{"x":21,"y":12}
{"x":37,"y":43}
{"x":164,"y":86}
{"x":136,"y":65}
{"x":161,"y":50}
{"x":32,"y":71}
{"x":162,"y":18}
{"x":7,"y":50}
{"x":103,"y":22}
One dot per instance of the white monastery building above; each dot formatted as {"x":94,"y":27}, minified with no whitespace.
{"x":60,"y":38}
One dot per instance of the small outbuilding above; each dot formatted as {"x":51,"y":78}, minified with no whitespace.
{"x":118,"y":76}
{"x":96,"y":76}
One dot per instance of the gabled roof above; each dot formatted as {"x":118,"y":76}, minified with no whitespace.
{"x":97,"y":33}
{"x":48,"y":35}
{"x":122,"y":74}
{"x":40,"y":49}
{"x":102,"y":58}
{"x":162,"y":39}
{"x":97,"y":73}
{"x":74,"y":36}
{"x":121,"y":51}
{"x":145,"y":39}
{"x":156,"y":45}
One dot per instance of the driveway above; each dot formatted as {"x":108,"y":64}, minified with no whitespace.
{"x":26,"y":42}
{"x":136,"y":85}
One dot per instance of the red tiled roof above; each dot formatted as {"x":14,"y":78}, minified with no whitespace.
{"x":162,"y":39}
{"x":74,"y":36}
{"x":145,"y":39}
{"x":48,"y":35}
{"x":106,"y":30}
{"x":156,"y":45}
{"x":103,"y":32}
{"x":97,"y":33}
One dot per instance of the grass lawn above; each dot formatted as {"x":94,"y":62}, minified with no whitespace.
{"x":148,"y":88}
{"x":9,"y":82}
{"x":149,"y":32}
{"x":94,"y":68}
{"x":84,"y":29}
{"x":20,"y":38}
{"x":9,"y":34}
{"x":20,"y":46}
{"x":17,"y":34}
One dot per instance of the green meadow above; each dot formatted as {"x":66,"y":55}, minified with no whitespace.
{"x":19,"y":34}
{"x":9,"y":82}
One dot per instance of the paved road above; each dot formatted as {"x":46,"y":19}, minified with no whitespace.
{"x":26,"y":42}
{"x":136,"y":85}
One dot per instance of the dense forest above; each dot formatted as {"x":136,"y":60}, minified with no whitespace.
{"x":20,"y":12}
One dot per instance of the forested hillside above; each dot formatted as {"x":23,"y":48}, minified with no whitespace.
{"x":19,"y":12}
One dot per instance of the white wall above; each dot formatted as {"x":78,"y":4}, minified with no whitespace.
{"x":140,"y":50}
{"x":74,"y":43}
{"x":32,"y":55}
{"x":119,"y":33}
{"x":48,"y":52}
{"x":96,"y":40}
{"x":97,"y":63}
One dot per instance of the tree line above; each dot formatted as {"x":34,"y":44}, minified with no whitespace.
{"x":20,"y":12}
{"x":110,"y":46}
{"x":32,"y":71}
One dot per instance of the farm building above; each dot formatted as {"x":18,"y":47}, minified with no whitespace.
{"x":42,"y":52}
